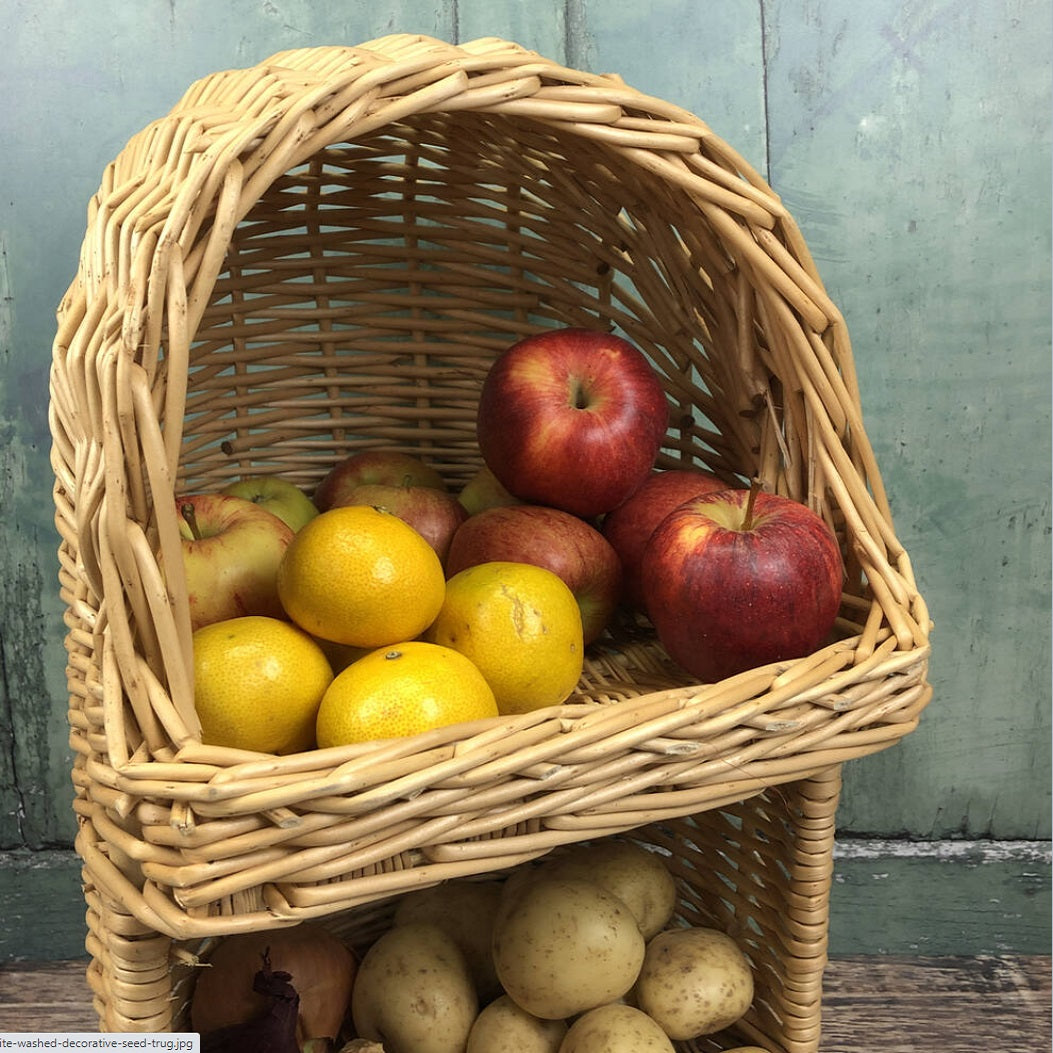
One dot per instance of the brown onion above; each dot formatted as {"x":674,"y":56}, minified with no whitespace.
{"x":321,"y":968}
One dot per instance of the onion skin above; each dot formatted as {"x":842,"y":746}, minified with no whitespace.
{"x":321,"y":967}
{"x":272,"y":1032}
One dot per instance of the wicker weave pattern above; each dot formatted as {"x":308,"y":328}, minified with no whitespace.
{"x":324,"y":253}
{"x":759,"y":870}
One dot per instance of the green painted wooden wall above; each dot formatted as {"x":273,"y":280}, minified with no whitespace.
{"x":910,"y":139}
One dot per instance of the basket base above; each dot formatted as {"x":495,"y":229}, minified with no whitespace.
{"x":760,"y":870}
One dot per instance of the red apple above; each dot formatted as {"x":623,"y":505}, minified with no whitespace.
{"x":549,"y":538}
{"x":434,"y":514}
{"x":572,"y":418}
{"x":629,"y":525}
{"x":485,"y":490}
{"x":285,"y":499}
{"x":231,"y":551}
{"x":738,"y":579}
{"x":374,"y":466}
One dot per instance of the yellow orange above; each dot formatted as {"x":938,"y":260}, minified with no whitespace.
{"x":360,"y":576}
{"x":258,"y":683}
{"x":403,"y":689}
{"x":521,"y":625}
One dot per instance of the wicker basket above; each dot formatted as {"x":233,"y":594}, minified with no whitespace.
{"x":323,"y":254}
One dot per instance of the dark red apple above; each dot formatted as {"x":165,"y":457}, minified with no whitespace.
{"x":434,"y":514}
{"x":737,"y":579}
{"x":572,"y":418}
{"x":550,"y":538}
{"x":374,"y":466}
{"x":629,"y":525}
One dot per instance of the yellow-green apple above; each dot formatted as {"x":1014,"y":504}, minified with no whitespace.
{"x":572,"y":418}
{"x":231,"y":551}
{"x":551,"y":538}
{"x":374,"y":466}
{"x":741,"y":578}
{"x":485,"y":490}
{"x":434,"y":514}
{"x":280,"y":496}
{"x":628,"y":526}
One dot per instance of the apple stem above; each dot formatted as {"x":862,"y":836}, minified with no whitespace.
{"x":188,"y":514}
{"x":747,"y":517}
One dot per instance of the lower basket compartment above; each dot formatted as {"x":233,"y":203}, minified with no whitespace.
{"x":759,"y":870}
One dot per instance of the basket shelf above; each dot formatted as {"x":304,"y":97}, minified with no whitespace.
{"x":323,"y":254}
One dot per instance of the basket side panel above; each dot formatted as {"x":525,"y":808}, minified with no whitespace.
{"x":761,"y":871}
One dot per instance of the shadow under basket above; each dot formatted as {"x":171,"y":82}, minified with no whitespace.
{"x":324,"y":254}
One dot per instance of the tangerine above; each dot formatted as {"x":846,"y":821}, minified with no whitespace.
{"x":400,"y":690}
{"x":360,"y":576}
{"x":520,"y":625}
{"x":258,"y":683}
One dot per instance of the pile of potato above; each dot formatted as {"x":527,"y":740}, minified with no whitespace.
{"x":573,"y":955}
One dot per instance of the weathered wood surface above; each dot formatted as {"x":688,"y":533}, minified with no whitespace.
{"x":905,"y":1005}
{"x":872,"y":1004}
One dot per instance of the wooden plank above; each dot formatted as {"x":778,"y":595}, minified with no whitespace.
{"x":969,"y":1005}
{"x":943,"y":900}
{"x":46,"y":997}
{"x":871,"y":1004}
{"x":707,"y":58}
{"x":539,"y":27}
{"x":911,"y":142}
{"x":940,"y":898}
{"x":42,"y":906}
{"x":35,"y":789}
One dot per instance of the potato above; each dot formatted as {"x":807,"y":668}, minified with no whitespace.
{"x":562,"y":947}
{"x":464,"y":910}
{"x":693,"y":981}
{"x":519,"y":878}
{"x":414,"y":992}
{"x":615,"y":1029}
{"x":636,"y":876}
{"x":503,"y":1027}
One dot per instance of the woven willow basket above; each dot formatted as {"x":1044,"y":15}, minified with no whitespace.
{"x":323,"y":254}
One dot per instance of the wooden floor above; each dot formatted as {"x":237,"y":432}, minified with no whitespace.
{"x":871,"y":1005}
